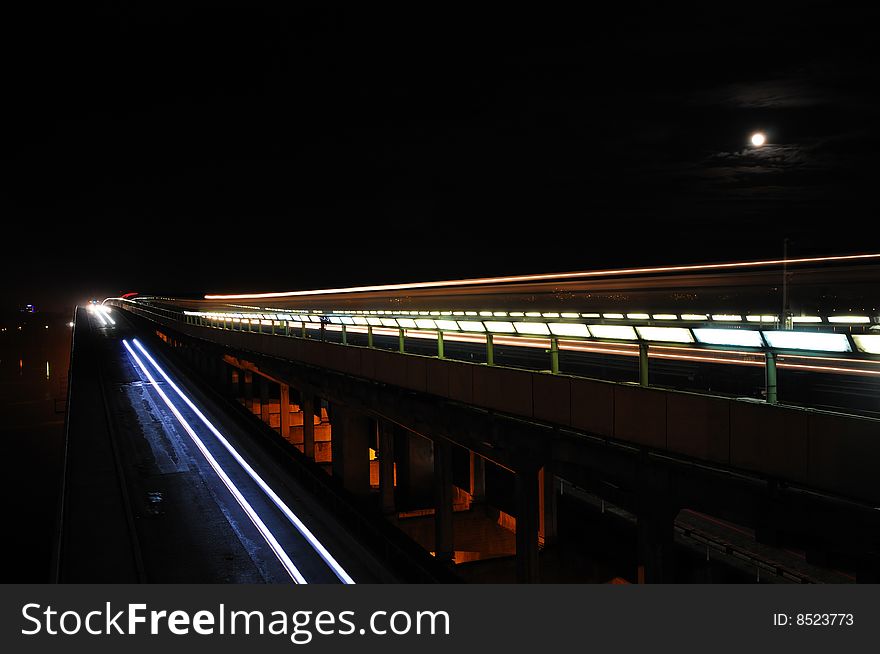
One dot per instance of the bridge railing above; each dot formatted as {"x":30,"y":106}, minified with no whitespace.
{"x":832,"y":452}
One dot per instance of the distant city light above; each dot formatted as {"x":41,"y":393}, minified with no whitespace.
{"x":758,"y":139}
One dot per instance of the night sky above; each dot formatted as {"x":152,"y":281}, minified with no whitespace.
{"x":235,"y":147}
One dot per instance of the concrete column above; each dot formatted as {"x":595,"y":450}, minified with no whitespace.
{"x":547,"y":506}
{"x":264,"y":399}
{"x":285,"y":410}
{"x":444,"y":542}
{"x":527,"y":525}
{"x":414,"y":456}
{"x":350,"y":447}
{"x":386,"y":466}
{"x":248,"y":389}
{"x":656,"y":555}
{"x":308,"y":409}
{"x":478,"y":477}
{"x":231,"y":381}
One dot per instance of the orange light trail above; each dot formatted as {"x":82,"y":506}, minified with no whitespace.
{"x":736,"y":358}
{"x":481,"y":281}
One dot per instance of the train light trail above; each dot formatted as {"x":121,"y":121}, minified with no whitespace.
{"x":483,"y":281}
{"x":531,"y":328}
{"x":668,"y":334}
{"x":467,"y":325}
{"x":497,"y":326}
{"x":273,"y":543}
{"x":737,"y":337}
{"x":849,"y":320}
{"x":869,"y":343}
{"x":569,"y":329}
{"x":334,"y":565}
{"x":620,"y":332}
{"x":813,"y":341}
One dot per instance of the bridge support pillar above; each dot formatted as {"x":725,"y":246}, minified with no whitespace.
{"x":444,"y":541}
{"x":414,"y":456}
{"x":478,"y":477}
{"x":264,"y":399}
{"x":554,"y":355}
{"x":547,"y":505}
{"x":307,"y":404}
{"x":248,"y":389}
{"x":308,"y":411}
{"x":401,"y":340}
{"x":344,"y":335}
{"x":490,"y":350}
{"x":386,"y":466}
{"x":350,"y":447}
{"x":440,"y":350}
{"x":655,"y":550}
{"x":527,"y":519}
{"x":231,"y":381}
{"x":284,"y":405}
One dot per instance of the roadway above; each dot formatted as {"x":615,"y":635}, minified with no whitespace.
{"x":165,"y":484}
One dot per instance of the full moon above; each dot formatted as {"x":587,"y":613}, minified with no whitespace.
{"x":758,"y":139}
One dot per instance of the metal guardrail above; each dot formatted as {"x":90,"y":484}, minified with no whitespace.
{"x":643,"y":336}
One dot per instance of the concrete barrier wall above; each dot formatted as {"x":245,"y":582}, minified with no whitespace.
{"x":826,"y":451}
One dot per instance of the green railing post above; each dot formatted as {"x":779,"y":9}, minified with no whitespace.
{"x":401,"y":340}
{"x":303,"y":328}
{"x":554,"y":355}
{"x":440,"y":353}
{"x":344,"y":336}
{"x":770,"y":376}
{"x":369,"y":336}
{"x":490,"y":350}
{"x":643,"y":364}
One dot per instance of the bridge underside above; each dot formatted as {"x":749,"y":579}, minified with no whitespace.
{"x":483,"y":487}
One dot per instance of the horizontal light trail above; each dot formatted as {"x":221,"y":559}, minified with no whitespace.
{"x":273,"y":543}
{"x":482,"y":281}
{"x":830,"y":369}
{"x":676,"y":353}
{"x":282,"y":506}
